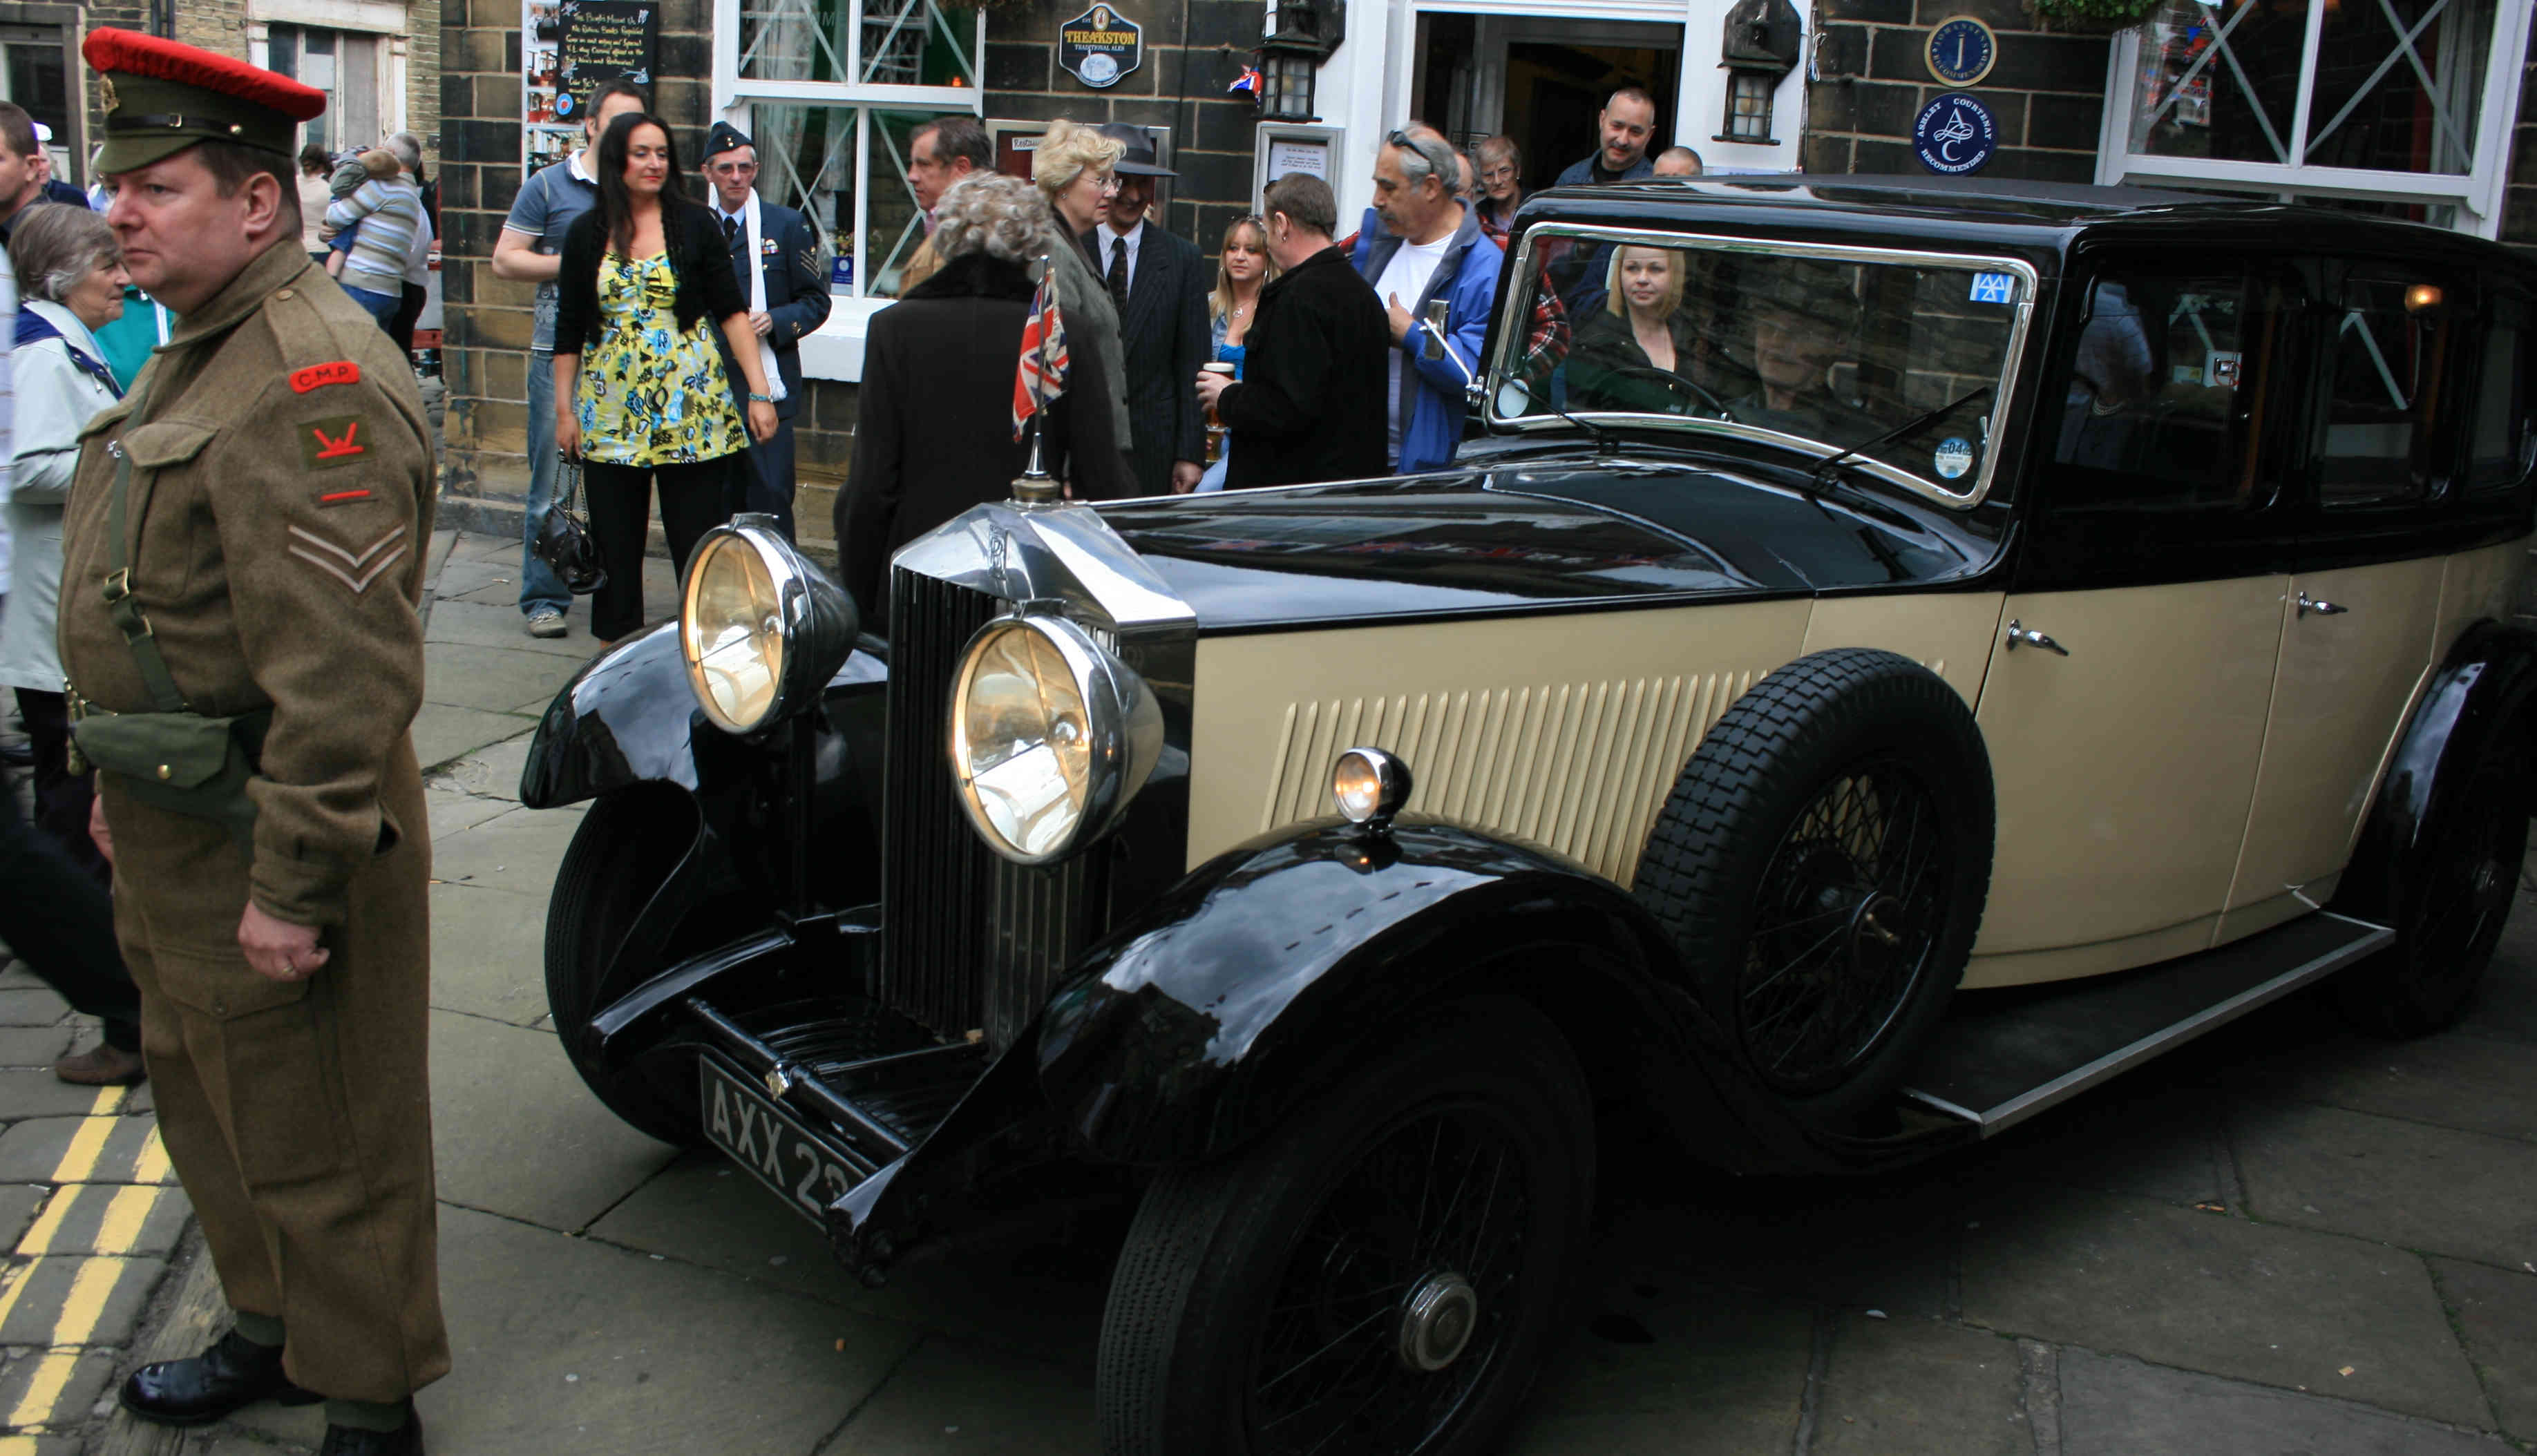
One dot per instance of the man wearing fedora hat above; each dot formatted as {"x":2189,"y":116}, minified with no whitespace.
{"x":775,"y":251}
{"x":1158,"y":283}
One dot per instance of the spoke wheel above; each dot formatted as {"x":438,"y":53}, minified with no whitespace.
{"x":2456,"y":899}
{"x":1822,"y":865}
{"x":1380,"y":1278}
{"x":1844,"y":928}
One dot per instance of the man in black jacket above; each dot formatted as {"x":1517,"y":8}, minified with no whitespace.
{"x":1312,"y":398}
{"x":775,"y":255}
{"x":1158,"y":283}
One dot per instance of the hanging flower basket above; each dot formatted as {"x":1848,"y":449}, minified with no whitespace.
{"x":2092,"y":17}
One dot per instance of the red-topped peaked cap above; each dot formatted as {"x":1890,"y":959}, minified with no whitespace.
{"x":162,"y":97}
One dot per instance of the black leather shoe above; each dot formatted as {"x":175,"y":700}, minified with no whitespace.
{"x":234,"y":1372}
{"x":349,"y":1440}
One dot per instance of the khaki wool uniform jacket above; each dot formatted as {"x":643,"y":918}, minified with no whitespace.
{"x":281,"y":504}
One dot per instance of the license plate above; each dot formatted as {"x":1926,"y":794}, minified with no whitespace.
{"x":785,"y":1155}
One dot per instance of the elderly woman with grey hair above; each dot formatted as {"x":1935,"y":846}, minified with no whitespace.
{"x":935,"y":430}
{"x":1073,"y":169}
{"x":71,"y":278}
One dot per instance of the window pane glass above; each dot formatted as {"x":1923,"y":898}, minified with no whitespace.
{"x":2397,"y":85}
{"x":806,"y":160}
{"x":2504,"y":431}
{"x":905,"y":42}
{"x":2386,"y":356}
{"x":2221,"y":81}
{"x":2159,"y":410}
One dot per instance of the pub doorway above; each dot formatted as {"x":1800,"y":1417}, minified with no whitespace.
{"x":1540,"y":81}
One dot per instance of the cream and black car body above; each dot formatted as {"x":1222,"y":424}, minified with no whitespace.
{"x":2016,"y":630}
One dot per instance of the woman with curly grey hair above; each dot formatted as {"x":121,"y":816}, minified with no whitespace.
{"x":934,"y":432}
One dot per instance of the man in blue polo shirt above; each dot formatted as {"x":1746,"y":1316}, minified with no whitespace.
{"x":532,"y":238}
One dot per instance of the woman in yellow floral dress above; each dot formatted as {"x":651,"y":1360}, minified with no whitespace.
{"x":644,"y":390}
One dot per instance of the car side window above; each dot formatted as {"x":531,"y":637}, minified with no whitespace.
{"x":2502,"y":441}
{"x":2162,"y":384}
{"x":2379,"y":436}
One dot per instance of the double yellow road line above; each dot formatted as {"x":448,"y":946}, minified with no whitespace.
{"x":86,"y":1267}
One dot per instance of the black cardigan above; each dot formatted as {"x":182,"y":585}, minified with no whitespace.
{"x":1315,"y":395}
{"x":708,"y":287}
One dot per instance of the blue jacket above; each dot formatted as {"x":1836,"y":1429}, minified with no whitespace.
{"x":797,"y":291}
{"x":1431,"y":389}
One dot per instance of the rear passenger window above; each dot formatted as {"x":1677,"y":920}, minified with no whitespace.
{"x":2161,"y":409}
{"x":2387,"y":391}
{"x":2503,"y":436}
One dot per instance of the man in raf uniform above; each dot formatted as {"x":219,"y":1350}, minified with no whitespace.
{"x":245,"y":549}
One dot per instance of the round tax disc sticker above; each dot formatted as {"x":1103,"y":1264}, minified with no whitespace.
{"x":1954,"y":457}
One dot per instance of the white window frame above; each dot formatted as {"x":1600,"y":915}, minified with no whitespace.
{"x":2477,"y":193}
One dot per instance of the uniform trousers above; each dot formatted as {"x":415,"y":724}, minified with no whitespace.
{"x":765,"y":485}
{"x":696,"y":497}
{"x":298,"y":1114}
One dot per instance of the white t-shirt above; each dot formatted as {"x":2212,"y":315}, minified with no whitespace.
{"x":1405,"y":277}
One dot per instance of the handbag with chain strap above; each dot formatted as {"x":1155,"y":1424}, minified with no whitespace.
{"x":563,"y":539}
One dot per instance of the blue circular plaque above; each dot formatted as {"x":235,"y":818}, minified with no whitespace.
{"x":1955,"y":135}
{"x":1961,"y":50}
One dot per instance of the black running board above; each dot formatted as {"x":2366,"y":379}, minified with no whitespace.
{"x":2003,"y":1057}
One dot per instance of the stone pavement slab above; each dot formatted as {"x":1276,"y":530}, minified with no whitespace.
{"x":490,"y":624}
{"x":146,"y":1219}
{"x":17,"y":1205}
{"x":461,"y":576}
{"x":443,"y":734}
{"x":1042,"y":1300}
{"x":30,"y":1007}
{"x":1692,"y":1373}
{"x":35,"y":1046}
{"x":34,"y":1092}
{"x":2203,"y":1291}
{"x":567,"y":1346}
{"x":504,"y":679}
{"x":2419,"y":1187}
{"x":517,"y":852}
{"x":1918,"y":1388}
{"x":2495,"y":1310}
{"x":2156,"y":1133}
{"x":2116,"y":1407}
{"x":84,"y":1150}
{"x":492,"y":771}
{"x":70,"y":1299}
{"x":453,"y":810}
{"x":488,"y":953}
{"x":2472,"y":1083}
{"x":53,"y":1387}
{"x":948,"y":1397}
{"x":515,"y":1132}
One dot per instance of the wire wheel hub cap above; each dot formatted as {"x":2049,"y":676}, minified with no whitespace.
{"x":1437,"y":1321}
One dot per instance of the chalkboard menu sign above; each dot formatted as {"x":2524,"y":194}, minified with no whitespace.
{"x":603,"y":40}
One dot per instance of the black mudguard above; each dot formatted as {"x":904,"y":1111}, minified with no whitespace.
{"x":1276,"y":967}
{"x":2486,"y":686}
{"x":628,"y":719}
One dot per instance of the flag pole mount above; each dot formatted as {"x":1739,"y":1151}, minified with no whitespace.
{"x":1033,"y":487}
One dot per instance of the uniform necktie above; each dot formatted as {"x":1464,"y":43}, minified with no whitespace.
{"x":1119,"y":271}
{"x":730,"y":230}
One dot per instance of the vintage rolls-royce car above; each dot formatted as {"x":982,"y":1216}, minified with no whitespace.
{"x":1890,"y":655}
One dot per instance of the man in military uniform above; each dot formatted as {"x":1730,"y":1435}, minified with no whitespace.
{"x":245,"y":542}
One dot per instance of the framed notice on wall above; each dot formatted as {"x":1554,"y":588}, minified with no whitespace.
{"x":545,"y":135}
{"x":1293,"y":147}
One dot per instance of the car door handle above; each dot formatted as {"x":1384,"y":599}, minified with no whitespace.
{"x":2309,"y":605}
{"x":2025,"y":636}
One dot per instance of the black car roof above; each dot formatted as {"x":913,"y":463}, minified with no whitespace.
{"x":1999,"y":213}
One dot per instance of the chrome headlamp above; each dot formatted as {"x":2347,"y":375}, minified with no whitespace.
{"x":760,"y":627}
{"x":1050,"y":736}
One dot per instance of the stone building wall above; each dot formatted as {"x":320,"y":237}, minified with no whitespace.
{"x":2519,"y":201}
{"x":2047,"y":90}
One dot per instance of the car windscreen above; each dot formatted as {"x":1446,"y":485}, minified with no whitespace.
{"x":1898,"y":362}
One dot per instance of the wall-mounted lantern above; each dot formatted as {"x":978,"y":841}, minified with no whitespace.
{"x":1291,"y":54}
{"x":1761,"y":46}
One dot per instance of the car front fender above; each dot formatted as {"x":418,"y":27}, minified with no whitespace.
{"x":1274,"y":968}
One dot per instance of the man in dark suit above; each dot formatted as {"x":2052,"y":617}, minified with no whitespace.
{"x":1158,"y":283}
{"x":1314,"y":393}
{"x":775,"y":251}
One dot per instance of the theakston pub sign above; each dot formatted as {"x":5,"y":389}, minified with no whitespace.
{"x":1100,"y":46}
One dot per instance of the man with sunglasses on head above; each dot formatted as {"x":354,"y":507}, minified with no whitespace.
{"x":1424,"y":246}
{"x":775,"y":251}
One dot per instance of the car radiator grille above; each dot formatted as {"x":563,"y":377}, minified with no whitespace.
{"x":970,"y":939}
